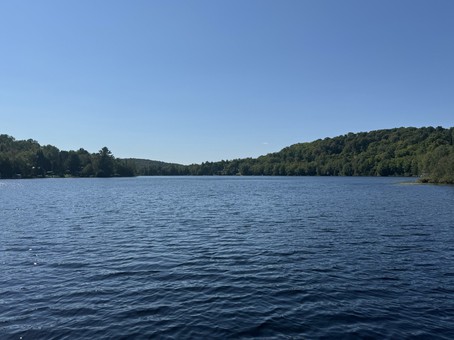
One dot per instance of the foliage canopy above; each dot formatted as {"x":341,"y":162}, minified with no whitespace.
{"x":426,"y":152}
{"x":28,"y":159}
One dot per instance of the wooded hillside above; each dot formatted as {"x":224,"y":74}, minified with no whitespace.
{"x":424,"y":152}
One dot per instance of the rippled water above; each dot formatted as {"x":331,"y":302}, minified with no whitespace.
{"x":226,"y":258}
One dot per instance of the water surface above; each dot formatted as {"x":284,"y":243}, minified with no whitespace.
{"x":226,"y":257}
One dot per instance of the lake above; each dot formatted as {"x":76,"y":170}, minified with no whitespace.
{"x":226,"y":257}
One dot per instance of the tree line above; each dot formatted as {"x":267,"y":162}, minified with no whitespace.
{"x":28,"y":159}
{"x":426,"y":152}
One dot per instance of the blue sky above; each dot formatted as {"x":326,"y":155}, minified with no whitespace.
{"x":193,"y":81}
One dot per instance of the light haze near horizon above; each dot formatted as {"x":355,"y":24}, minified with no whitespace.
{"x":194,"y":81}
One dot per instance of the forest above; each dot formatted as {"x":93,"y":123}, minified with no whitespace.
{"x":427,"y":153}
{"x":28,"y":159}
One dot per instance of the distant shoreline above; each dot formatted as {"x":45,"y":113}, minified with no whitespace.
{"x":426,"y":153}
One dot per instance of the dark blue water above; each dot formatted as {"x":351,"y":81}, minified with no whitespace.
{"x":226,"y":258}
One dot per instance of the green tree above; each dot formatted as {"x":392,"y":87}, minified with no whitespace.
{"x":105,"y":163}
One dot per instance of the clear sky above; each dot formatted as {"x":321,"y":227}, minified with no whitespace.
{"x":193,"y":81}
